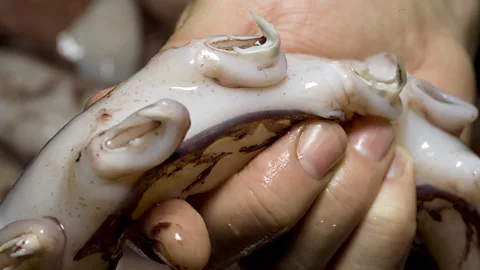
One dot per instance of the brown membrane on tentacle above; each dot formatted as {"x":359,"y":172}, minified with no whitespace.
{"x":471,"y":217}
{"x":110,"y":236}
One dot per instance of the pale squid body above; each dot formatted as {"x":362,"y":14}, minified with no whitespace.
{"x":447,"y":173}
{"x":186,"y":122}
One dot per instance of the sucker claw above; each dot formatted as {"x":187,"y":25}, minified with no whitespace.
{"x":384,"y":72}
{"x":439,"y":108}
{"x":26,"y":244}
{"x":31,"y":242}
{"x":245,"y":61}
{"x":144,"y":139}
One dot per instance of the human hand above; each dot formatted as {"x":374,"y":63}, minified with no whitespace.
{"x":336,"y":205}
{"x":418,"y":27}
{"x":334,"y":194}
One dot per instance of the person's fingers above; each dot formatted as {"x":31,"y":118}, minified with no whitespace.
{"x":383,"y":239}
{"x":179,"y":235}
{"x":272,"y":192}
{"x":340,"y":207}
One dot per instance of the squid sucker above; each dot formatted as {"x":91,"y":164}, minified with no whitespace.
{"x":195,"y":115}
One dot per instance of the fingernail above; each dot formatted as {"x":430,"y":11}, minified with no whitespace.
{"x":399,"y":162}
{"x":320,"y":147}
{"x":371,"y":137}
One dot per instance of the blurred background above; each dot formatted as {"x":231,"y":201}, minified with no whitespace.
{"x":55,"y":54}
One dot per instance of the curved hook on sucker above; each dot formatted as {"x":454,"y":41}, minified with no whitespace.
{"x":265,"y":54}
{"x":39,"y":242}
{"x":244,"y":61}
{"x":375,"y":85}
{"x":441,"y":109}
{"x":383,"y":72}
{"x":141,"y":141}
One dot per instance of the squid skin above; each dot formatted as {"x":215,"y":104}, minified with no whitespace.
{"x":447,"y":173}
{"x":159,"y":135}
